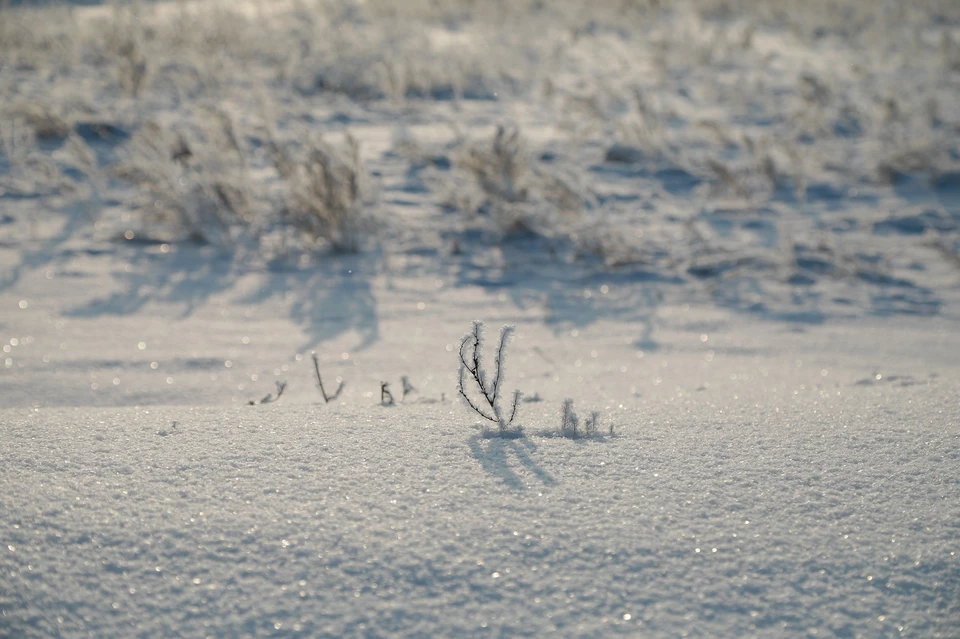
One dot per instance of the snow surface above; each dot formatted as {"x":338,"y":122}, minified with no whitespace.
{"x":299,"y":521}
{"x":737,"y":239}
{"x":772,"y":480}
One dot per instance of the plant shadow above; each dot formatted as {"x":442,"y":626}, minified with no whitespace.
{"x":327,"y":298}
{"x":493,"y":453}
{"x":52,"y":251}
{"x":796,"y":289}
{"x":572,"y":294}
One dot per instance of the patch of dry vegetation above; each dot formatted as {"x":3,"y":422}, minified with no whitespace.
{"x":327,"y":191}
{"x":189,"y":181}
{"x":658,"y":87}
{"x":518,"y":193}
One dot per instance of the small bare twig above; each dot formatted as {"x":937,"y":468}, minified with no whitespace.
{"x":386,"y":397}
{"x":407,"y":386}
{"x":326,"y":398}
{"x":269,"y":398}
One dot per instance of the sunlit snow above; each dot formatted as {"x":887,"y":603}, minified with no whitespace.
{"x":240,"y":244}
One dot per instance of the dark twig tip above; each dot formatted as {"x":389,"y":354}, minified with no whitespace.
{"x":386,"y":397}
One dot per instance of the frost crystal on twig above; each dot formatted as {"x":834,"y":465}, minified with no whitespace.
{"x":488,"y":404}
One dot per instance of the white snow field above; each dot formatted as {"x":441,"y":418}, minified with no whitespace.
{"x":743,"y":496}
{"x":730,"y":227}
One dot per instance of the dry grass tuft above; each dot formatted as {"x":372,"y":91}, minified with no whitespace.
{"x":327,"y":191}
{"x":187,"y":184}
{"x":46,"y":122}
{"x":520,"y":195}
{"x":502,"y":167}
{"x":24,"y":169}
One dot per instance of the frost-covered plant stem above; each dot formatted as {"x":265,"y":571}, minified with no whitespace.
{"x":488,"y":405}
{"x":592,"y":427}
{"x":386,"y":397}
{"x":570,"y":423}
{"x":569,"y":420}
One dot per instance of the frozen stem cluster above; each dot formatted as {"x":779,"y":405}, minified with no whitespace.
{"x":570,"y":423}
{"x":488,"y":403}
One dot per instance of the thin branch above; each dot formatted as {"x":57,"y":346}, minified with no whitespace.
{"x":516,"y":403}
{"x":505,"y":334}
{"x":269,"y":398}
{"x":326,"y":398}
{"x":478,"y":371}
{"x":407,"y":386}
{"x":386,"y":397}
{"x":461,"y":388}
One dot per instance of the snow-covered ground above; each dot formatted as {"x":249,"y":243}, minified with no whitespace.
{"x":731,"y":228}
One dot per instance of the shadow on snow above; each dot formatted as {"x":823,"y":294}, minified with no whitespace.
{"x":493,"y":453}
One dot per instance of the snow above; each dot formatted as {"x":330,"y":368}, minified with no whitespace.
{"x":764,"y":482}
{"x":733,"y":233}
{"x":339,"y":521}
